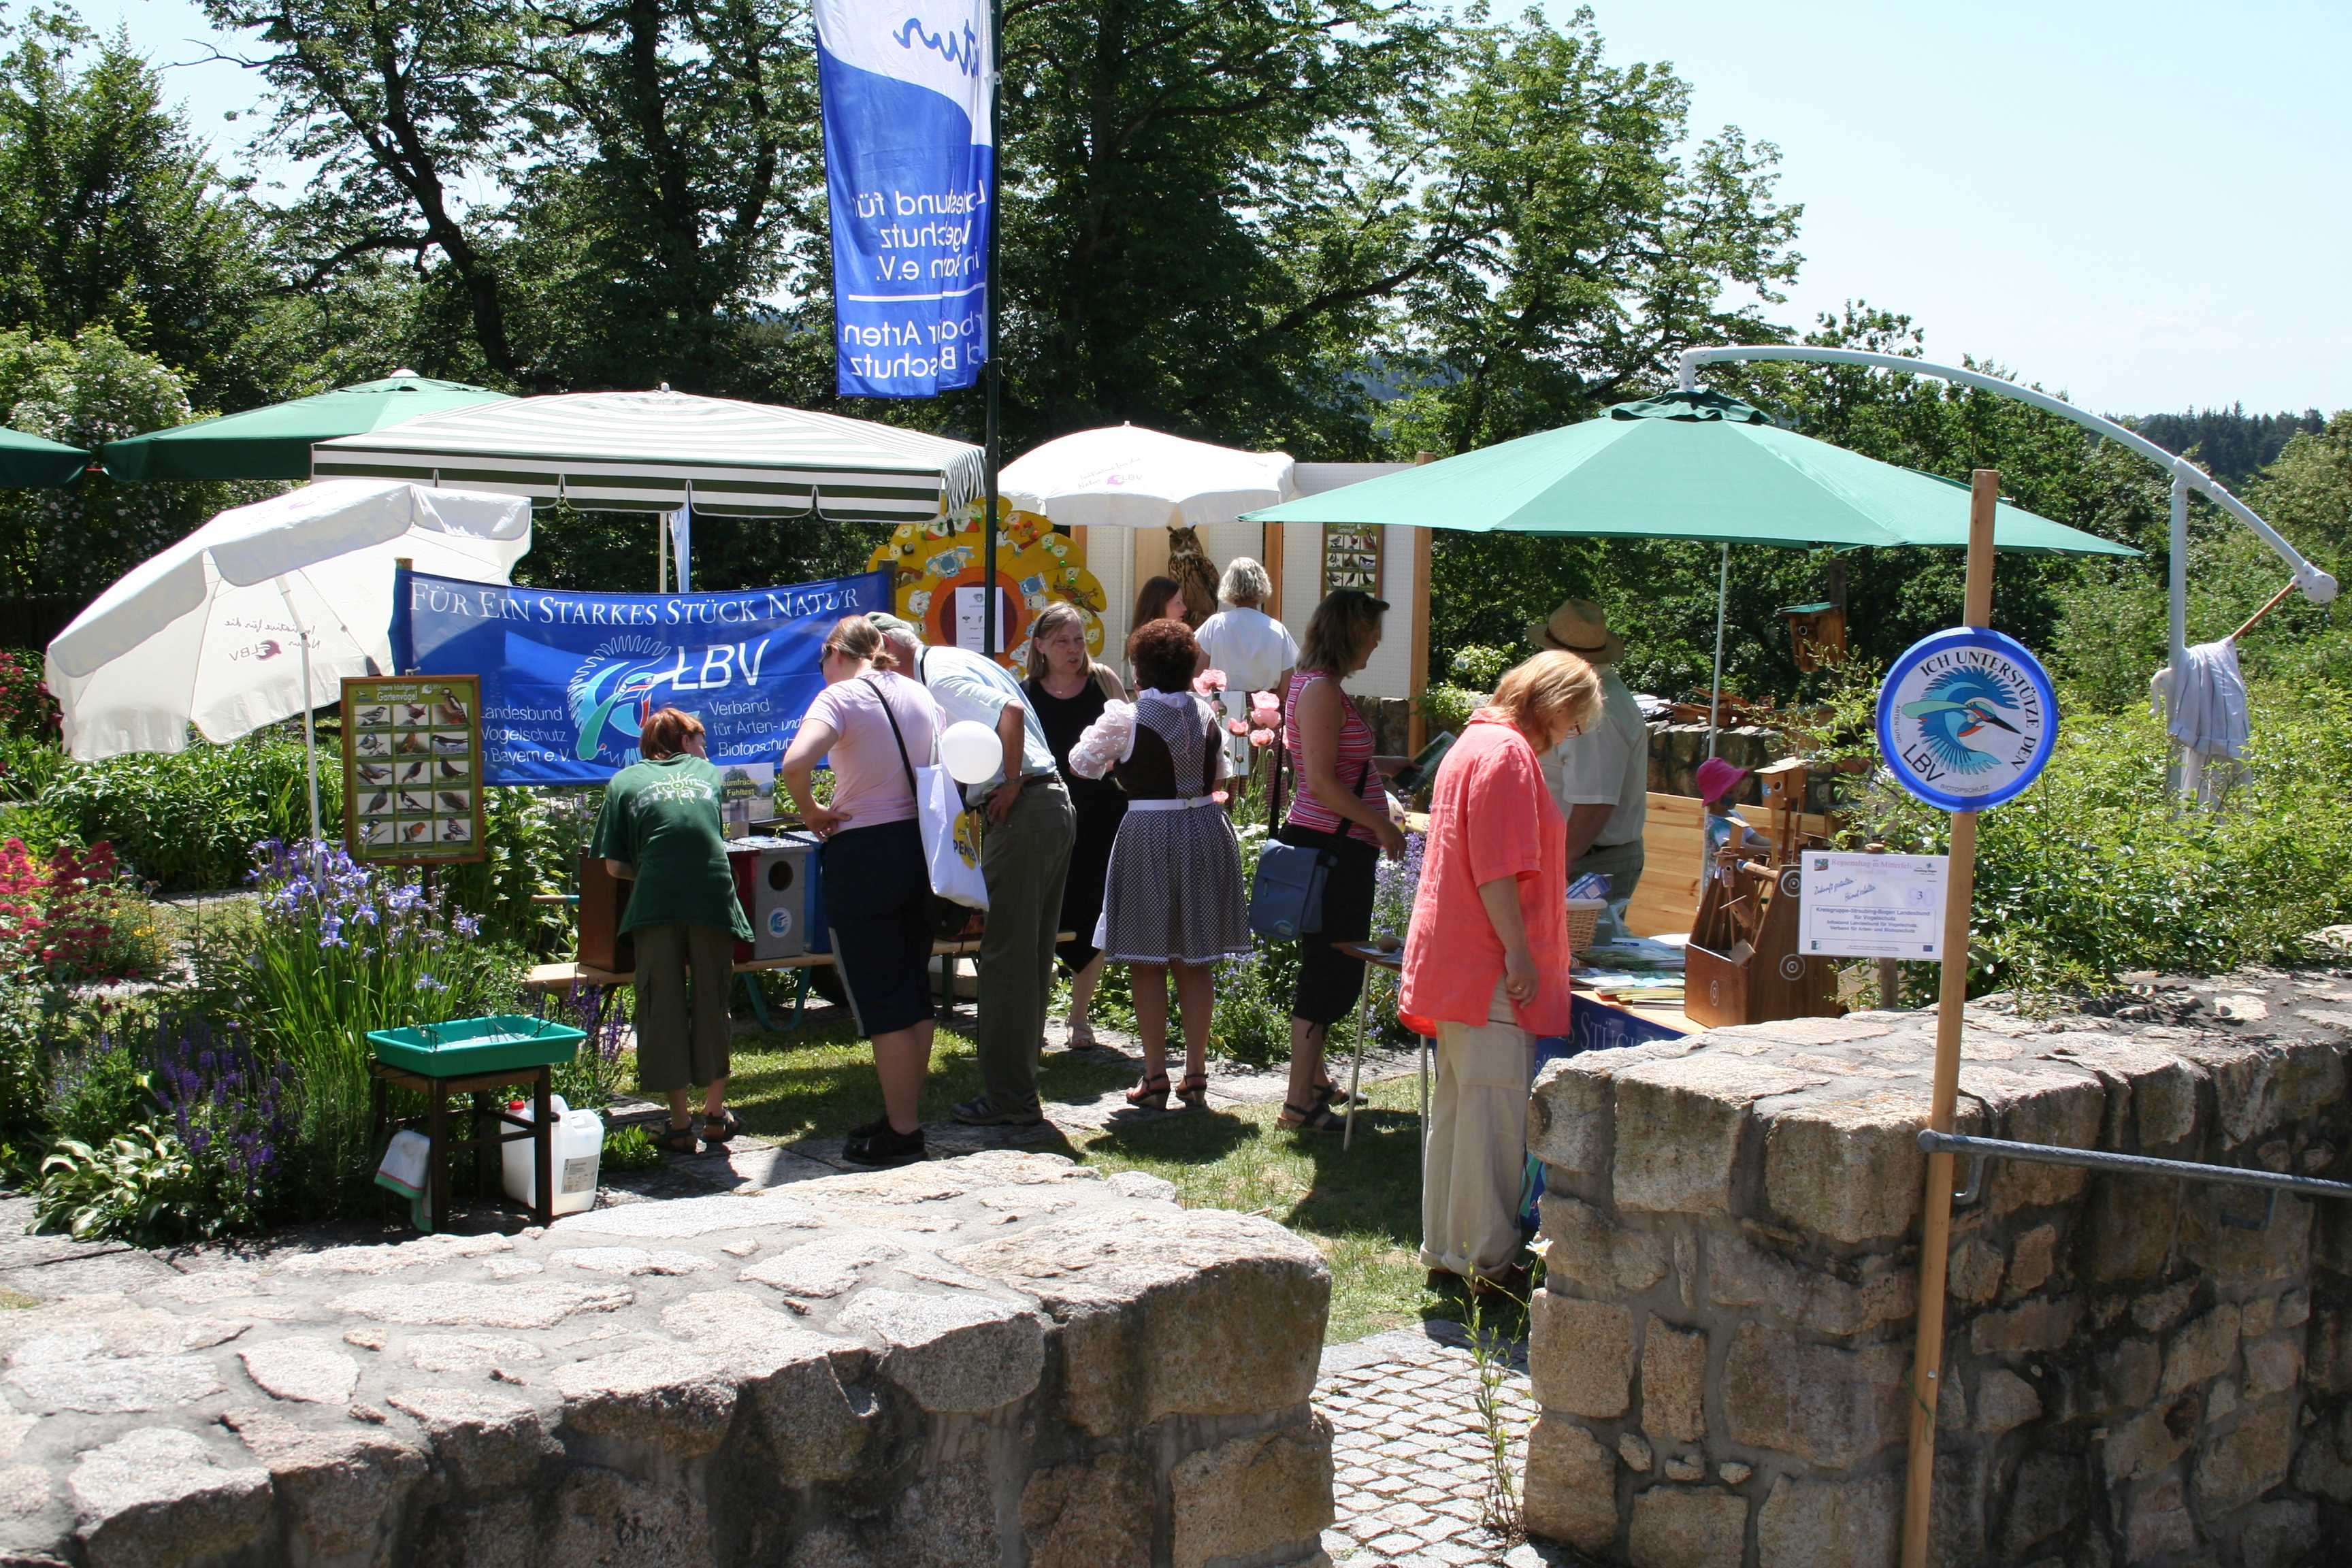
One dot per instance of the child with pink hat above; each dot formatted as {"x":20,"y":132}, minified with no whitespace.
{"x":1719,"y":784}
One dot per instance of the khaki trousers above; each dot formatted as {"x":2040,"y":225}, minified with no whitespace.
{"x":1476,"y":1165}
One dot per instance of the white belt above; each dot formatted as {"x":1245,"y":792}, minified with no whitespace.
{"x":1192,"y":803}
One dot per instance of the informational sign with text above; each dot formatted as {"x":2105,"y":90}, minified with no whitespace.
{"x":1872,"y":905}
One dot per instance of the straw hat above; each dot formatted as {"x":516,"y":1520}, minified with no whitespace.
{"x":1581,"y":627}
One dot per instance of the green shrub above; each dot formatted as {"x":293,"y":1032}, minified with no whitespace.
{"x":2097,"y":869}
{"x":188,"y":820}
{"x":1479,"y":666}
{"x":1449,"y":706}
{"x":532,"y":840}
{"x":631,"y":1149}
{"x":100,"y":1088}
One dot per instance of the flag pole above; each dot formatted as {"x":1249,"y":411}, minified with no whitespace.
{"x":994,"y":368}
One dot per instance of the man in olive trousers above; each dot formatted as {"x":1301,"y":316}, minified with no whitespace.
{"x":1025,"y":859}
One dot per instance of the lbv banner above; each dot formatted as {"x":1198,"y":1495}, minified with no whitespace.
{"x":565,"y":677}
{"x":909,"y":167}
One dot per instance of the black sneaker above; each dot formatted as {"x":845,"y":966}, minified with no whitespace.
{"x":983,"y":1111}
{"x":883,"y":1145}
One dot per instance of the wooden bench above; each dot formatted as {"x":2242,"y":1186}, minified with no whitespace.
{"x":567,"y":974}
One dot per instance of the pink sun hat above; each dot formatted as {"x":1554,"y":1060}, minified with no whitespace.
{"x":1717,"y":778}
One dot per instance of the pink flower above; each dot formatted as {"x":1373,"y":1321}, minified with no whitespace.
{"x":1220,"y":796}
{"x":1210,"y":682}
{"x":1236,"y":727}
{"x":1261,"y":737}
{"x":1265,"y":710}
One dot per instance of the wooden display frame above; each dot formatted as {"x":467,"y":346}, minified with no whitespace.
{"x":390,"y":725}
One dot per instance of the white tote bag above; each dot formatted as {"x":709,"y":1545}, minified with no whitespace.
{"x":950,"y":829}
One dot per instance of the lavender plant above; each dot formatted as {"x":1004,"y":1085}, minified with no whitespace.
{"x":233,"y":1112}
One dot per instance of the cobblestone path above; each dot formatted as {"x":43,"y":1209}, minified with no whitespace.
{"x":1409,"y":1449}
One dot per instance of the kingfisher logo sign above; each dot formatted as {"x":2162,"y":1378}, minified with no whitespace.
{"x":1967,"y":719}
{"x":567,"y":678}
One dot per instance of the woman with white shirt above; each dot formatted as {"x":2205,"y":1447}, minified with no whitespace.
{"x":1173,"y":897}
{"x":1256,"y":652}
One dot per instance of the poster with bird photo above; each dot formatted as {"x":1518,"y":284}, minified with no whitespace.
{"x":412,"y":769}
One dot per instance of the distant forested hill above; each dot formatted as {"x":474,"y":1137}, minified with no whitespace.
{"x":2231,"y":442}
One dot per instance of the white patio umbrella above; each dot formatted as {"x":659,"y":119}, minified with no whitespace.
{"x":249,"y":619}
{"x":1128,"y":476}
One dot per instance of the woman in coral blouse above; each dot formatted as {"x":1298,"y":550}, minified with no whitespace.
{"x":1486,"y":960}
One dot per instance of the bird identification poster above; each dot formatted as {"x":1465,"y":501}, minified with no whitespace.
{"x":413,"y":770}
{"x":1872,"y":905}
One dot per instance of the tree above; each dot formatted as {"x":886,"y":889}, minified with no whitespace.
{"x":1572,"y":251}
{"x":110,"y":214}
{"x":600,"y":192}
{"x":72,"y":542}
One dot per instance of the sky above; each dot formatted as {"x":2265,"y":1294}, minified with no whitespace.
{"x":2136,"y":203}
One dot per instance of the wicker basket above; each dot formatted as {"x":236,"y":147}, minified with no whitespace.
{"x":1583,"y":916}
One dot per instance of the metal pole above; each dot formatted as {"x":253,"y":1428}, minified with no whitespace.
{"x":995,"y":370}
{"x":1935,"y":1230}
{"x":309,"y":731}
{"x":2177,"y":622}
{"x":1715,"y":698}
{"x":2317,"y":586}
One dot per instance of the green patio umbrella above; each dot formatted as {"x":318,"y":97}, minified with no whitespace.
{"x":1690,"y":465}
{"x":27,"y":462}
{"x":273,"y":443}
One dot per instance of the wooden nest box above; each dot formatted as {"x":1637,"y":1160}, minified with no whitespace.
{"x":1816,"y":635}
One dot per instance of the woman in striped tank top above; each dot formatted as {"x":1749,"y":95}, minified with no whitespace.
{"x":1341,"y":807}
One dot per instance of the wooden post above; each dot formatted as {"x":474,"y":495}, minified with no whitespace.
{"x":1936,"y":1228}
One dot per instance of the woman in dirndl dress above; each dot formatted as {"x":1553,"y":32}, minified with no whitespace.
{"x":1173,"y":897}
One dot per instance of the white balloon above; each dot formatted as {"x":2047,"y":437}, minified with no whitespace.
{"x":970,"y":750}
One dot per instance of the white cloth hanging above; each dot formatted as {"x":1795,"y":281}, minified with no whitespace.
{"x":2209,"y":707}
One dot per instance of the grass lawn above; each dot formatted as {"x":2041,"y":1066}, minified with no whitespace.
{"x":1361,"y":1207}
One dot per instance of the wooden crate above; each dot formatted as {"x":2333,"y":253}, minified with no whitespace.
{"x":1674,"y":843}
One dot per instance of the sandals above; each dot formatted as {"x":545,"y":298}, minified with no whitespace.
{"x":1194,"y":1091}
{"x":681,"y":1140}
{"x":1330,"y":1092}
{"x":1152,"y":1094}
{"x":721,"y":1128}
{"x":1316,"y":1117}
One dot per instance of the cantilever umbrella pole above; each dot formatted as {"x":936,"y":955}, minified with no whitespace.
{"x":1715,"y":697}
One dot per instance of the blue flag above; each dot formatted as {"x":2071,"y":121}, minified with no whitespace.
{"x":566,"y":676}
{"x":910,"y":169}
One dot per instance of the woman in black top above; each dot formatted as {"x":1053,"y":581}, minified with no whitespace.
{"x":1066,"y":690}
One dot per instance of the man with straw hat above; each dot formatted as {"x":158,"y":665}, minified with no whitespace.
{"x":1600,"y":777}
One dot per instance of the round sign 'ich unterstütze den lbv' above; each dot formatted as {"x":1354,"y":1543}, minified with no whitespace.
{"x":1967,"y":719}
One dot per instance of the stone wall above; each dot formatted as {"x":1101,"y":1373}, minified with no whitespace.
{"x":2136,"y":1371}
{"x":987,"y":1361}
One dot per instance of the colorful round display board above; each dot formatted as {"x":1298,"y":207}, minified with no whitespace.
{"x":1967,"y":719}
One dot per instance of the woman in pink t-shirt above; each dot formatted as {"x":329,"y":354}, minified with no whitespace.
{"x":876,"y":726}
{"x":1486,"y":959}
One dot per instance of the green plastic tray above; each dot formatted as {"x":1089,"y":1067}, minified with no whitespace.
{"x":465,"y":1047}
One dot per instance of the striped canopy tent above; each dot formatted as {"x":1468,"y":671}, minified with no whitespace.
{"x":663,"y":451}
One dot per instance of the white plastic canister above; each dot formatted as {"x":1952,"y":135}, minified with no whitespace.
{"x":575,"y":1153}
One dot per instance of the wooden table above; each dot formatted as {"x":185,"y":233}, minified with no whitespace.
{"x":484,"y":1088}
{"x":1648,"y":1017}
{"x":564,"y":975}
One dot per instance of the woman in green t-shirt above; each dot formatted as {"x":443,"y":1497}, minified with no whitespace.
{"x":661,"y":829}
